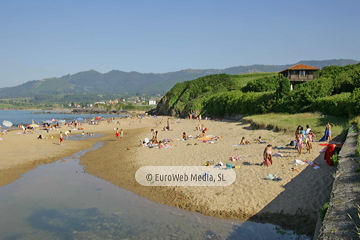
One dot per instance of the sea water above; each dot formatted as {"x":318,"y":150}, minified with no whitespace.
{"x":61,"y":201}
{"x":27,"y":117}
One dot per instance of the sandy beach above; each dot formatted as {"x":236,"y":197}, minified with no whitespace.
{"x":292,"y":203}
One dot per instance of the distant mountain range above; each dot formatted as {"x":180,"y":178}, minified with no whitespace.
{"x":132,"y":83}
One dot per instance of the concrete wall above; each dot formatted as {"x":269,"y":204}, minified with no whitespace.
{"x":345,"y":196}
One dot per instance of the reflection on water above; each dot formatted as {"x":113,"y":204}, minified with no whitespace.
{"x":61,"y":201}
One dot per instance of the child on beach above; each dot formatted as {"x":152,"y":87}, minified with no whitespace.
{"x":121,"y":134}
{"x":117,"y":134}
{"x":267,"y":155}
{"x":311,"y":137}
{"x":185,"y":136}
{"x":67,"y":134}
{"x":61,"y":137}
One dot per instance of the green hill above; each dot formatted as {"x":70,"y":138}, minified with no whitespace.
{"x":336,"y":92}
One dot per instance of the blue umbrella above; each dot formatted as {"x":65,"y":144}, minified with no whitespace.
{"x":79,"y":119}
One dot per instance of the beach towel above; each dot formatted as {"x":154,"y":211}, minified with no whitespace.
{"x":278,"y":155}
{"x":279,"y":147}
{"x":326,"y":135}
{"x":329,"y":152}
{"x":204,"y":138}
{"x":297,"y":161}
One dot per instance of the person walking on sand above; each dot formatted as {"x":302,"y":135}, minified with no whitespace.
{"x":267,"y":154}
{"x":61,"y":137}
{"x":121,"y":134}
{"x":117,"y":134}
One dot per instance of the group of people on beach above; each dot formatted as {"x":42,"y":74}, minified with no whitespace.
{"x":304,"y":138}
{"x":119,"y":134}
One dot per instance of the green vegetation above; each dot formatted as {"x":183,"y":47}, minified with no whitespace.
{"x":288,"y":122}
{"x":263,"y":84}
{"x":27,"y":103}
{"x":336,"y":92}
{"x":335,"y":159}
{"x":195,"y":96}
{"x":323,"y":210}
{"x":356,"y":121}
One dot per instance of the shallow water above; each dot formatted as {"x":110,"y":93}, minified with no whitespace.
{"x":61,"y":201}
{"x":79,"y":137}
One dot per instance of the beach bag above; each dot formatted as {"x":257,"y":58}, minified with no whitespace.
{"x":228,"y":165}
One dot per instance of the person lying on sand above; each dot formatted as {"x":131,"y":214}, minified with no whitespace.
{"x":164,"y":145}
{"x":243,"y":141}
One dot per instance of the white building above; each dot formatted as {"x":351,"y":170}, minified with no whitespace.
{"x":152,"y":102}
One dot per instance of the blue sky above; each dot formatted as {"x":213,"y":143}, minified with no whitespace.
{"x":44,"y":39}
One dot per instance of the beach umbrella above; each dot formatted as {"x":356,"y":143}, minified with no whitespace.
{"x":97,"y":118}
{"x":48,"y":122}
{"x":54,"y":120}
{"x":34,"y":125}
{"x":79,"y":119}
{"x":7,"y":123}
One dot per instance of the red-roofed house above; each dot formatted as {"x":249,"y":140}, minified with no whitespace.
{"x":299,"y":73}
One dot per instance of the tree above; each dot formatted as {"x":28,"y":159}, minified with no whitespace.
{"x":284,"y":87}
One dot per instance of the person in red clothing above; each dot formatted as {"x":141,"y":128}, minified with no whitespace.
{"x":329,"y":152}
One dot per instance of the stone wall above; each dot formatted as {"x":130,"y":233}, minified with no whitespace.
{"x":345,"y":195}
